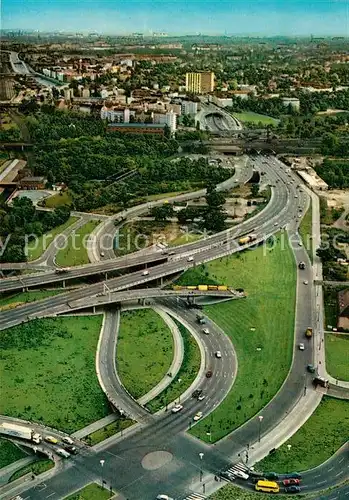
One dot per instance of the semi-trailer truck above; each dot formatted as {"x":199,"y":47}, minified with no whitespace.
{"x":19,"y":431}
{"x":247,"y":239}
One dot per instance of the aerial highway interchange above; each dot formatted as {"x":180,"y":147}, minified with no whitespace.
{"x":123,"y":456}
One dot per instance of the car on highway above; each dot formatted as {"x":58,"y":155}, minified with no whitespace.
{"x":292,"y":489}
{"x":311,"y":368}
{"x":67,"y":439}
{"x":241,"y":474}
{"x":190,"y":258}
{"x":163,"y":497}
{"x":197,"y":416}
{"x":62,"y":453}
{"x":71,"y":449}
{"x":305,"y":282}
{"x":206,"y":331}
{"x":257,"y":478}
{"x":102,"y":254}
{"x":301,"y":346}
{"x":271,"y":475}
{"x":197,"y":393}
{"x":300,"y":244}
{"x":293,"y":475}
{"x":209,"y":374}
{"x":228,"y":475}
{"x":275,"y":223}
{"x":177,"y":408}
{"x":201,"y":397}
{"x":289,"y":482}
{"x":218,"y":354}
{"x":145,"y":273}
{"x":51,"y":439}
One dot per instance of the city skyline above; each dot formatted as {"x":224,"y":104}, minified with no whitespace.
{"x":258,"y":17}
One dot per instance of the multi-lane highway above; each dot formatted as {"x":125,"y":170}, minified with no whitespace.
{"x":177,"y":473}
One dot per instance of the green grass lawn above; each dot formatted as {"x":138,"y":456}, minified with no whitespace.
{"x":331,"y":305}
{"x":9,"y":453}
{"x":250,"y":116}
{"x":108,"y":430}
{"x":186,"y":375}
{"x":75,"y":253}
{"x":144,"y":352}
{"x":47,"y":371}
{"x":230,"y":492}
{"x":35,"y":468}
{"x":25,"y":297}
{"x":261,"y":328}
{"x":337,"y":355}
{"x":58,"y":200}
{"x":91,"y":492}
{"x":305,"y":230}
{"x":36,"y":248}
{"x":319,"y":438}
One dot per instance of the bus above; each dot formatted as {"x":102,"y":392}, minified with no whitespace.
{"x":267,"y":486}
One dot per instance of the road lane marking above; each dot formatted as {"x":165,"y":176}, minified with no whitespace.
{"x":51,"y":495}
{"x":341,"y":460}
{"x":317,"y":476}
{"x":339,"y":473}
{"x":329,"y":470}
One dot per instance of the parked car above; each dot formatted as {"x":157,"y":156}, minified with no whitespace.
{"x":292,"y":489}
{"x":177,"y":408}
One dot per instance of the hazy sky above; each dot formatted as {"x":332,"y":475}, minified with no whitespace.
{"x":262,"y":17}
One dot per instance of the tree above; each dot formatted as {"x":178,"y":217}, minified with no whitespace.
{"x":254,"y":190}
{"x":162,"y":213}
{"x":215,"y":199}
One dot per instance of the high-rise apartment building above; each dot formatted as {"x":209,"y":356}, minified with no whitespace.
{"x":199,"y":83}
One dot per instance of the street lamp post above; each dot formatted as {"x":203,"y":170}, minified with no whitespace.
{"x":102,"y":463}
{"x":260,"y":418}
{"x":201,"y":455}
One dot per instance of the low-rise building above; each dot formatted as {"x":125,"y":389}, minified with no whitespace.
{"x":32,"y":183}
{"x":291,"y":101}
{"x":189,"y":108}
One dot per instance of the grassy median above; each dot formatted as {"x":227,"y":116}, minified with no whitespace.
{"x":337,"y":355}
{"x":75,"y":253}
{"x":260,"y":326}
{"x":36,"y":248}
{"x":231,"y":492}
{"x":316,"y":441}
{"x":305,"y":230}
{"x":144,"y":351}
{"x":9,"y":453}
{"x":18,"y":299}
{"x":108,"y":430}
{"x":186,"y":375}
{"x":91,"y":492}
{"x":47,"y":369}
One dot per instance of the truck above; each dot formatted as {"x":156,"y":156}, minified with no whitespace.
{"x":247,"y":239}
{"x":201,"y":319}
{"x":20,"y":431}
{"x":61,"y":270}
{"x":309,"y":332}
{"x":301,"y":265}
{"x":321,"y":381}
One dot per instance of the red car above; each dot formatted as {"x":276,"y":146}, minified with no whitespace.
{"x":289,"y":482}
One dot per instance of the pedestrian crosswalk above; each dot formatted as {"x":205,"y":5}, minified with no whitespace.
{"x":195,"y":496}
{"x":236,"y":470}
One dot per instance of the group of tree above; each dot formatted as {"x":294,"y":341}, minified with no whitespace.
{"x":21,"y":222}
{"x":334,"y":172}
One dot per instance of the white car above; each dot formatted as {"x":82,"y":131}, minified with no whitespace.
{"x":206,"y":331}
{"x":300,"y":244}
{"x":177,"y":408}
{"x":145,"y":273}
{"x":305,"y":282}
{"x":67,"y":440}
{"x":197,"y":416}
{"x":190,"y":258}
{"x":201,"y":397}
{"x":218,"y":354}
{"x":301,"y":347}
{"x":163,"y":497}
{"x":242,"y":475}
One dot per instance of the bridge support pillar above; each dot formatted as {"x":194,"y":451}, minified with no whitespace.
{"x":106,"y":276}
{"x":63,"y":283}
{"x":94,"y":309}
{"x":161,"y":281}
